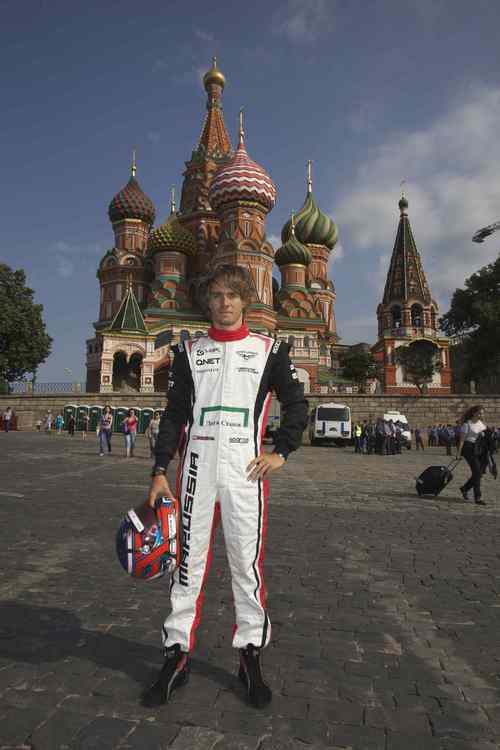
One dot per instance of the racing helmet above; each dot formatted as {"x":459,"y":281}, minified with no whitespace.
{"x":148,"y":541}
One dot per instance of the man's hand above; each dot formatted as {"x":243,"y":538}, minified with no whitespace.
{"x":159,"y":488}
{"x":263,"y":465}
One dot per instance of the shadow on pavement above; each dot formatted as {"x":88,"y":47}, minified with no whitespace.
{"x":38,"y":635}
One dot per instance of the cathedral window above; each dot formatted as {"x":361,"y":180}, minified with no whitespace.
{"x":140,"y":293}
{"x":247,"y":228}
{"x":118,"y":292}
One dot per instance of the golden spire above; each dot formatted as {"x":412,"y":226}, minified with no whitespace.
{"x":402,"y":183}
{"x":172,"y":200}
{"x":309,"y":177}
{"x":133,"y":168}
{"x":129,"y":285}
{"x":293,"y":224}
{"x":242,"y":132}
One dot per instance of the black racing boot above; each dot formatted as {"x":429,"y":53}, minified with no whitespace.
{"x":258,"y":693}
{"x":174,"y":674}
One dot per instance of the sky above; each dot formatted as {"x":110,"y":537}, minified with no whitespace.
{"x":374,"y":92}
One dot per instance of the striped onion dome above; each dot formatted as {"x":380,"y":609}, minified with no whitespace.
{"x":312,"y":226}
{"x":172,"y":237}
{"x":132,"y":203}
{"x":293,"y":251}
{"x":241,"y":179}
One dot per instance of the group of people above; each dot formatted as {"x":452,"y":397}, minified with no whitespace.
{"x":448,"y":436}
{"x":128,"y":427}
{"x":383,"y":437}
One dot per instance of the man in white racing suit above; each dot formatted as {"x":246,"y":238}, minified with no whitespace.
{"x":219,"y":394}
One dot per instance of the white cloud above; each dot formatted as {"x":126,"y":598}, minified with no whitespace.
{"x":205,"y":36}
{"x":64,"y":267}
{"x":303,"y":21}
{"x":68,"y":256}
{"x":452,"y":185}
{"x":153,"y":137}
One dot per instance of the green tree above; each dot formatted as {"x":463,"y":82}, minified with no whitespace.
{"x":360,"y":366}
{"x":24,"y":342}
{"x":420,"y":361}
{"x":474,"y":316}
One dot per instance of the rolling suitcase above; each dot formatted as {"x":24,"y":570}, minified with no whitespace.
{"x":434,"y":479}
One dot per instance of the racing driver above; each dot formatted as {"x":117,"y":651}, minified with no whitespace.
{"x":219,"y":394}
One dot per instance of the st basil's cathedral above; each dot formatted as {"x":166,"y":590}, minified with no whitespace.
{"x":149,"y":280}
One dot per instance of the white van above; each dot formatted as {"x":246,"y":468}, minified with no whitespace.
{"x":330,"y":422}
{"x":396,"y":416}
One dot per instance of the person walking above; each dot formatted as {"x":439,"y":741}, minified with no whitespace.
{"x":59,"y":423}
{"x":358,"y":431}
{"x":48,"y":422}
{"x":71,"y":425}
{"x":104,"y":430}
{"x":129,"y":425}
{"x":471,"y":447}
{"x":152,"y":432}
{"x":85,"y":425}
{"x":419,"y":443}
{"x":7,"y":419}
{"x":219,"y":393}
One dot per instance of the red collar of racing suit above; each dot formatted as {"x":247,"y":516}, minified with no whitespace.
{"x":219,"y":334}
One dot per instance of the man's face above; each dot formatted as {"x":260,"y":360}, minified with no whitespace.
{"x":225,"y":305}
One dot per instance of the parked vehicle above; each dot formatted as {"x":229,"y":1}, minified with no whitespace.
{"x":330,"y":422}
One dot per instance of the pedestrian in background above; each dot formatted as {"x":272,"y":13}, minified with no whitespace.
{"x":71,"y":425}
{"x":358,"y":430}
{"x":7,"y":418}
{"x":419,"y":443}
{"x":104,"y":430}
{"x":471,"y":447}
{"x":85,"y":425}
{"x":129,"y":425}
{"x":152,"y":432}
{"x":48,"y":422}
{"x":59,"y":424}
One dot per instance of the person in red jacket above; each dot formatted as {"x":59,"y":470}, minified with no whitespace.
{"x":219,"y":393}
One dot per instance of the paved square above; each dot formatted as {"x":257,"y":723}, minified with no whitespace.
{"x":385,"y":610}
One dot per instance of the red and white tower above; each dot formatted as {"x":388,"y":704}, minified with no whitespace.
{"x":408,"y":313}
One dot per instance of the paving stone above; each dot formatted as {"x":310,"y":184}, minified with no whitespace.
{"x":196,"y":738}
{"x":102,"y":732}
{"x":59,"y":730}
{"x":150,"y":736}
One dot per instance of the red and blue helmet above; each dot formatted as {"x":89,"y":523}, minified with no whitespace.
{"x":148,"y":541}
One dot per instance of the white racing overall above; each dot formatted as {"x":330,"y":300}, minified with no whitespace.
{"x":218,"y":399}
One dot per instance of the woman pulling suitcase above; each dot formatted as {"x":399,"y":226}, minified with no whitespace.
{"x":471,"y":446}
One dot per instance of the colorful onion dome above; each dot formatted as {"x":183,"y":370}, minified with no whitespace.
{"x":241,"y":179}
{"x":214,"y":75}
{"x":172,"y":237}
{"x":293,"y":251}
{"x":312,"y":226}
{"x":131,"y":202}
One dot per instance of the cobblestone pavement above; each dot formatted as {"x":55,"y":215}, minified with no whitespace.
{"x":385,"y":611}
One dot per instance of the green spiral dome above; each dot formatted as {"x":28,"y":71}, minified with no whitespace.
{"x":172,"y":237}
{"x":312,"y":226}
{"x":293,"y":251}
